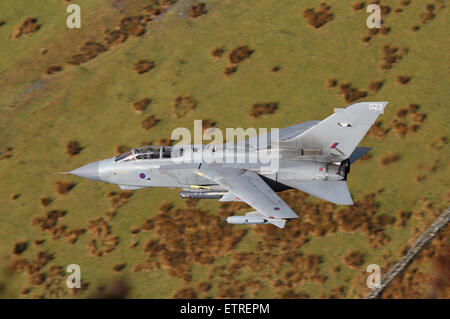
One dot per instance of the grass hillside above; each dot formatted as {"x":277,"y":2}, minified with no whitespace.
{"x":60,"y":85}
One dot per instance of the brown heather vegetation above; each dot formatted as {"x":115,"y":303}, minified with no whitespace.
{"x":73,"y":148}
{"x":50,"y":279}
{"x":88,"y":51}
{"x":400,"y":128}
{"x":375,"y":86}
{"x":64,"y":187}
{"x":7,"y":153}
{"x":413,"y":128}
{"x":218,"y":52}
{"x":439,"y":143}
{"x":133,"y":244}
{"x":261,"y":109}
{"x":385,"y":10}
{"x":197,"y":10}
{"x":119,"y":267}
{"x":25,"y":291}
{"x":336,"y":269}
{"x":38,"y":242}
{"x":49,"y":223}
{"x":157,"y":7}
{"x":402,"y":79}
{"x":276,"y":249}
{"x":391,"y":55}
{"x":143,"y":66}
{"x":230,"y":70}
{"x":72,"y":235}
{"x":412,"y":108}
{"x":403,"y":217}
{"x":118,"y":199}
{"x":401,"y":113}
{"x":389,"y":158}
{"x":320,"y":17}
{"x":418,"y":117}
{"x":400,"y":124}
{"x":240,"y":54}
{"x":53,"y":69}
{"x":150,"y":122}
{"x":358,"y":5}
{"x":335,"y":293}
{"x":366,"y":38}
{"x":177,"y":231}
{"x":128,"y":26}
{"x":45,"y":201}
{"x":331,"y":83}
{"x":28,"y":26}
{"x":275,"y":68}
{"x":385,"y":30}
{"x":115,"y":36}
{"x":103,"y":242}
{"x":237,"y":56}
{"x":354,"y":259}
{"x":14,"y":196}
{"x":19,"y":247}
{"x":428,"y":15}
{"x":133,"y":25}
{"x":135,"y":230}
{"x":141,"y":105}
{"x":185,"y":293}
{"x":204,"y":286}
{"x":349,"y":93}
{"x":182,"y":105}
{"x":377,"y":130}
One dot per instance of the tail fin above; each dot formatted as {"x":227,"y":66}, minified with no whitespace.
{"x":339,"y":134}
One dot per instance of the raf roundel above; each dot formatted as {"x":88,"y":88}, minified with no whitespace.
{"x":142,"y":175}
{"x":276,"y":208}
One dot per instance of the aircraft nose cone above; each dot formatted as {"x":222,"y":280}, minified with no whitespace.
{"x":89,"y":171}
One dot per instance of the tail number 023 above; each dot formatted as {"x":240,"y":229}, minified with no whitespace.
{"x":376,"y":107}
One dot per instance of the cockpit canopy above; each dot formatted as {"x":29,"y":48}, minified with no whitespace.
{"x":149,"y":152}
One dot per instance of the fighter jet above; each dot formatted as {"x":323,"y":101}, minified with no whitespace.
{"x":313,"y":156}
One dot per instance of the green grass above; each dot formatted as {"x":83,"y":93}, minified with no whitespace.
{"x":92,"y":103}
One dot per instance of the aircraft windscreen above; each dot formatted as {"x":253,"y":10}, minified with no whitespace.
{"x":149,"y":152}
{"x":127,"y":156}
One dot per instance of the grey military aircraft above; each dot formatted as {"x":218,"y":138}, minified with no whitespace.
{"x":313,"y":156}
